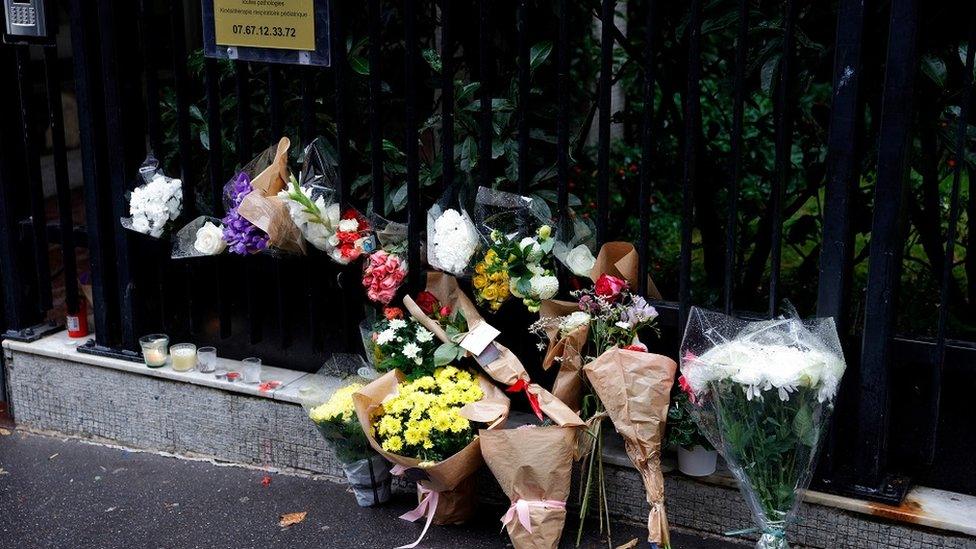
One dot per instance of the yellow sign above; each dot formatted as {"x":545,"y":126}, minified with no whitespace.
{"x":281,"y":24}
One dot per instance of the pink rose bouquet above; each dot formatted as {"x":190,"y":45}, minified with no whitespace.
{"x":383,"y":274}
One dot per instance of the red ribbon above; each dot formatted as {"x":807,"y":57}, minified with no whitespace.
{"x":523,"y":385}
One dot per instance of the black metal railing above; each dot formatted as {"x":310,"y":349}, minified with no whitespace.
{"x":136,"y":93}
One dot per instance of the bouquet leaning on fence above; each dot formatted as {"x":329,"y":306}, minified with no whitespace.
{"x":428,"y":428}
{"x":763,"y":392}
{"x":328,"y":402}
{"x":533,"y":465}
{"x":154,"y":205}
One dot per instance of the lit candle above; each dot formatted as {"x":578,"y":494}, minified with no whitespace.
{"x":154,"y":349}
{"x":184,"y":357}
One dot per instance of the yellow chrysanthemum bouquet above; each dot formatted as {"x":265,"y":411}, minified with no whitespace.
{"x":331,"y":409}
{"x":428,"y":428}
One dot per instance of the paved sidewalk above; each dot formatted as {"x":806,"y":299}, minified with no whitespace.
{"x":58,"y":493}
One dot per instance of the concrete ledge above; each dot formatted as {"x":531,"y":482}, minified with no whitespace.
{"x":54,"y":388}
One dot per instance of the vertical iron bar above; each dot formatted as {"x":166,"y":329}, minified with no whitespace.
{"x":887,"y":240}
{"x":603,"y":154}
{"x":153,"y":116}
{"x":962,"y":127}
{"x":181,"y":85}
{"x":308,"y":105}
{"x":91,"y":132}
{"x":124,"y":155}
{"x":34,"y":184}
{"x":784,"y":145}
{"x":837,"y":247}
{"x":413,"y":174}
{"x":647,"y":145}
{"x":562,"y":116}
{"x":447,"y":95}
{"x":339,"y":66}
{"x":276,"y":110}
{"x":524,"y":89}
{"x":61,"y":182}
{"x":738,"y":103}
{"x":484,"y":71}
{"x":242,"y":86}
{"x":375,"y":96}
{"x":692,"y":116}
{"x":216,"y":173}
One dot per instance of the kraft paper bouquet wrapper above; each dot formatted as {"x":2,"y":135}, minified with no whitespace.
{"x":263,"y":208}
{"x":620,"y":259}
{"x":533,"y":465}
{"x":450,"y":478}
{"x":566,"y":351}
{"x":498,"y":361}
{"x":635,"y":388}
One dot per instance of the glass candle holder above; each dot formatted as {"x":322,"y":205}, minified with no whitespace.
{"x":207,"y":359}
{"x":184,"y":357}
{"x":251,"y":370}
{"x":154,"y":349}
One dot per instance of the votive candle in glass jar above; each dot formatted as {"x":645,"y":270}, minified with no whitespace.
{"x":154,"y":347}
{"x":184,"y":357}
{"x":251,"y":370}
{"x":207,"y":359}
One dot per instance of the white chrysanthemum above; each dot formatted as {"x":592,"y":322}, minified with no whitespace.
{"x":455,"y":240}
{"x":397,"y":323}
{"x":544,"y":286}
{"x":411,"y":350}
{"x":424,"y":335}
{"x":533,"y":250}
{"x":349,"y":225}
{"x":385,"y":336}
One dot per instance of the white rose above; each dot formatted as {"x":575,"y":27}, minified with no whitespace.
{"x":580,"y":260}
{"x":545,"y":286}
{"x":210,"y":239}
{"x":532,"y":249}
{"x":348,"y":225}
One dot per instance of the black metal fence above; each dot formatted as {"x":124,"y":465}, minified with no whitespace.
{"x":904,"y":413}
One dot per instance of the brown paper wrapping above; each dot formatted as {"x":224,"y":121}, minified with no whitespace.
{"x":446,"y":477}
{"x":635,"y":388}
{"x":507,"y":369}
{"x":535,"y":464}
{"x":568,"y":349}
{"x":620,"y":259}
{"x":263,"y":208}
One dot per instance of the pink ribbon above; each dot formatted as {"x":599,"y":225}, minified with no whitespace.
{"x":520,"y":509}
{"x":427,"y":506}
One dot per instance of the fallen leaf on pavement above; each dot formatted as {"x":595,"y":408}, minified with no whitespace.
{"x":629,"y":545}
{"x":4,"y":471}
{"x":266,"y":481}
{"x":5,"y":432}
{"x":289,"y":519}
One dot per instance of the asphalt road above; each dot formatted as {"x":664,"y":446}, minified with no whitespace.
{"x":64,"y":493}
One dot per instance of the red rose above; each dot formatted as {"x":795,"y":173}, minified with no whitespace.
{"x":636,"y":347}
{"x":427,"y":302}
{"x":610,"y":286}
{"x":393,"y":312}
{"x":445,"y":310}
{"x":686,"y":388}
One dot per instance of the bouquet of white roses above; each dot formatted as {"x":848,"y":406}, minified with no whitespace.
{"x":156,"y":203}
{"x":762,"y":392}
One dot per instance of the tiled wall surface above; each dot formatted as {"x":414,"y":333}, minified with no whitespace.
{"x":157,"y":414}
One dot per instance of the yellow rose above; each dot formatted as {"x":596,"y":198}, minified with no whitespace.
{"x":481,"y":268}
{"x":490,"y":292}
{"x":479,"y":281}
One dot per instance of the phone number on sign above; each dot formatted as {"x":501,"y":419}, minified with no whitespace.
{"x":253,"y":30}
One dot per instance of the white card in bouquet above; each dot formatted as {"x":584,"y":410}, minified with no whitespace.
{"x":477,"y":339}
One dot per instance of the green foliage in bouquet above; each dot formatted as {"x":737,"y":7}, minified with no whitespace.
{"x":771,"y":440}
{"x":402,"y":344}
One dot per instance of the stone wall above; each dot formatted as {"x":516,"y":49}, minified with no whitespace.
{"x":157,"y":414}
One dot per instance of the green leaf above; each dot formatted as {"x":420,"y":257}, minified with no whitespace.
{"x":433,"y":59}
{"x":469,"y":155}
{"x":399,"y":199}
{"x":445,"y":354}
{"x":360,"y":65}
{"x":539,"y":53}
{"x":935,"y":69}
{"x":803,"y":425}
